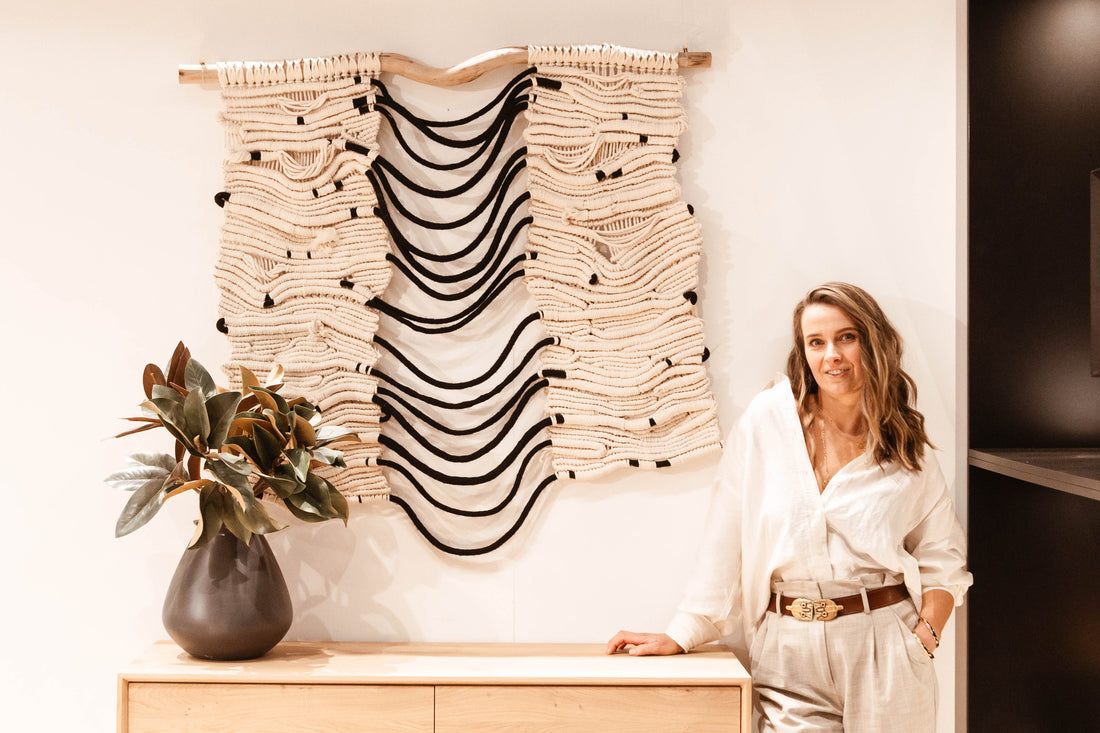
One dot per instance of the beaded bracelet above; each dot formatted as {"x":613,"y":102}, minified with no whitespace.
{"x":935,"y":636}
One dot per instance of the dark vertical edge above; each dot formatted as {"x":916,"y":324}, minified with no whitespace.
{"x":1094,"y":269}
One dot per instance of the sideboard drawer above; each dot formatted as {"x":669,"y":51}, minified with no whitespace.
{"x":171,"y":707}
{"x":376,"y":687}
{"x":577,"y":708}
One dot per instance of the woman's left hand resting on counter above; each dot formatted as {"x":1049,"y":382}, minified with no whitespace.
{"x":643,"y":644}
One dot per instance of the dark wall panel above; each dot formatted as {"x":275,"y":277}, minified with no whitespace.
{"x":1034,"y":611}
{"x":1034,"y":71}
{"x":1034,"y":631}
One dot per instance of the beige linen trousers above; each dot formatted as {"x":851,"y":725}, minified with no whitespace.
{"x":859,"y":673}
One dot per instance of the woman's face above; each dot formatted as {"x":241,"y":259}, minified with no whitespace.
{"x":832,"y":347}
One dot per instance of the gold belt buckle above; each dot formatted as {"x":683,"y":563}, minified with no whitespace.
{"x":804,"y":609}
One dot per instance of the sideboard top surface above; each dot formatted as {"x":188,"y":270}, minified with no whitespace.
{"x":458,"y":663}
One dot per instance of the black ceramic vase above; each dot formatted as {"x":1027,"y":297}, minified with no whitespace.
{"x":228,"y":600}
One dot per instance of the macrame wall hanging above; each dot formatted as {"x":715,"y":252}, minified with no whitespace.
{"x":493,"y":302}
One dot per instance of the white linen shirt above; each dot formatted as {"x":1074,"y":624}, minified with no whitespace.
{"x":768,"y":523}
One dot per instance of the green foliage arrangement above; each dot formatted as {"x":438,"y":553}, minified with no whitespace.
{"x":247,"y":443}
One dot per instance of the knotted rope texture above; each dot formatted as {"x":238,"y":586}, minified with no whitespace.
{"x":338,"y":262}
{"x":614,"y":257}
{"x":301,"y":251}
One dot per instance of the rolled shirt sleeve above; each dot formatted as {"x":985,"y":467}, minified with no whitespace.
{"x":938,"y":542}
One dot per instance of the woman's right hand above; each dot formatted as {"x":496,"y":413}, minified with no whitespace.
{"x":643,"y":644}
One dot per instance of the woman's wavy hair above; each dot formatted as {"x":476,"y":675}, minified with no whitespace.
{"x":895,"y":427}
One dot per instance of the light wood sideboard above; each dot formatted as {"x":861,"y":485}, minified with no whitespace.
{"x":325,"y":687}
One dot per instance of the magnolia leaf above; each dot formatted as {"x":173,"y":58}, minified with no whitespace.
{"x":282,"y":485}
{"x":235,"y":462}
{"x":177,"y":477}
{"x":165,"y":461}
{"x":194,"y":467}
{"x":303,"y":431}
{"x":189,"y":486}
{"x":150,"y":376}
{"x":268,"y":447}
{"x":258,"y":520}
{"x":197,"y":379}
{"x":329,"y":457}
{"x":303,"y":408}
{"x":178,"y":364}
{"x":240,"y":445}
{"x":265,"y":398}
{"x":183,"y":442}
{"x":298,"y":458}
{"x":275,"y":376}
{"x":339,"y":504}
{"x":149,"y":426}
{"x":141,"y":507}
{"x":320,"y":493}
{"x":248,"y":380}
{"x":279,"y":424}
{"x":333,"y":433}
{"x":235,"y":483}
{"x":210,"y":516}
{"x":168,"y":409}
{"x":133,"y":479}
{"x":220,"y":411}
{"x":197,"y":422}
{"x":285,"y":472}
{"x":244,"y":422}
{"x":276,"y":401}
{"x":243,"y":499}
{"x":248,"y":404}
{"x":233,"y":522}
{"x":166,"y":392}
{"x":301,"y":508}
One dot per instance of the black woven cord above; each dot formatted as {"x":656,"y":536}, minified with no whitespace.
{"x":500,"y":185}
{"x":455,"y":322}
{"x":447,"y":404}
{"x":504,"y":354}
{"x":500,"y":128}
{"x":495,"y":272}
{"x":470,"y":551}
{"x":512,"y":108}
{"x":469,"y":512}
{"x":509,"y":110}
{"x":520,"y":78}
{"x":492,"y":443}
{"x":458,"y":190}
{"x":493,"y":256}
{"x":518,"y":400}
{"x":499,"y":388}
{"x":450,"y":480}
{"x":409,"y":249}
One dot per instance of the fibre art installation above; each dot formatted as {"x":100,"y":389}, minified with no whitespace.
{"x":492,"y":302}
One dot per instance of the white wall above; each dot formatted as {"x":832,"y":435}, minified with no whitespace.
{"x":823,"y":146}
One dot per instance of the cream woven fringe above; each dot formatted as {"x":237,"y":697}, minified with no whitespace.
{"x":614,"y":261}
{"x":301,"y":250}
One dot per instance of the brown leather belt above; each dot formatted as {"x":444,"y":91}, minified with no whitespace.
{"x":826,"y":609}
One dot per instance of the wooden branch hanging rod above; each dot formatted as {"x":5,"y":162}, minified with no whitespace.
{"x":460,"y":74}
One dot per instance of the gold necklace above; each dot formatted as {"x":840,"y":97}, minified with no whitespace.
{"x":826,"y":476}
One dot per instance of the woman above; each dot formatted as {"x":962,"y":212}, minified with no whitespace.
{"x":832,"y":552}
